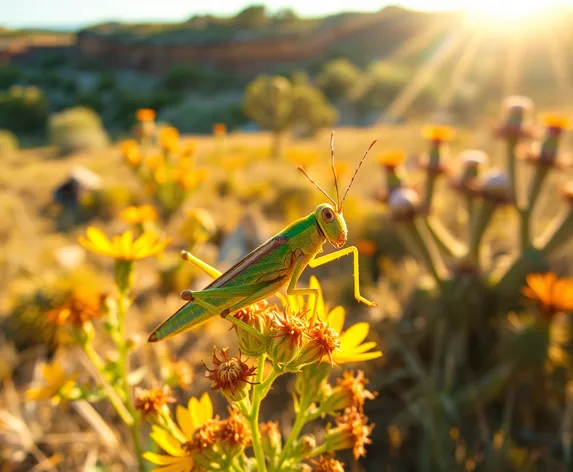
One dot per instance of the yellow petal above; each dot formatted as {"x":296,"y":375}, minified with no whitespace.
{"x":343,"y":358}
{"x":207,"y":407}
{"x":143,"y":242}
{"x":167,"y":442}
{"x":361,"y":348}
{"x":159,"y":459}
{"x":126,"y":245}
{"x":335,"y":319}
{"x":183,"y":464}
{"x":47,"y":371}
{"x":185,"y":421}
{"x":93,"y":248}
{"x":40,"y":393}
{"x":354,"y":335}
{"x":98,"y":238}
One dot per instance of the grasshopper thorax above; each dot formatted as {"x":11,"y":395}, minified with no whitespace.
{"x":331,"y":224}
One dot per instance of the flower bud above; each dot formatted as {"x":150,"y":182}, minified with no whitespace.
{"x":351,"y":432}
{"x":271,"y":438}
{"x":258,"y":316}
{"x":304,"y":445}
{"x":495,"y":186}
{"x":203,"y":445}
{"x":517,"y":110}
{"x":404,"y":203}
{"x":290,"y":334}
{"x":473,"y":161}
{"x":230,"y":375}
{"x":311,"y":380}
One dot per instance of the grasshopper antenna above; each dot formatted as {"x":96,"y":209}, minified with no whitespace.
{"x":356,"y":172}
{"x":338,"y":203}
{"x":316,"y":185}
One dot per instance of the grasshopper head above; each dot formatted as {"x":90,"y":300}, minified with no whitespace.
{"x":332,"y":224}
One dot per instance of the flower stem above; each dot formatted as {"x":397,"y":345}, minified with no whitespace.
{"x":114,"y":399}
{"x":317,"y":451}
{"x":123,"y":368}
{"x":300,"y":421}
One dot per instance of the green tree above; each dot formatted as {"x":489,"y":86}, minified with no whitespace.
{"x":337,"y":78}
{"x":23,"y":109}
{"x":252,"y":17}
{"x":379,"y":85}
{"x":277,"y":105}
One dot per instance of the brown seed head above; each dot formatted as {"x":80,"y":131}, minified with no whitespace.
{"x":150,"y":401}
{"x":353,"y":389}
{"x":230,"y":373}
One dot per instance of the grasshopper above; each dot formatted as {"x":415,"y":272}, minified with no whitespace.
{"x":278,"y":262}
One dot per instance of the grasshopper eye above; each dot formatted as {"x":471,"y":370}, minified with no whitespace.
{"x":327,"y":215}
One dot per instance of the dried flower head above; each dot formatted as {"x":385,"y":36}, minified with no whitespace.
{"x":352,"y":432}
{"x":235,"y":430}
{"x":322,"y":342}
{"x":178,"y":373}
{"x":350,"y":392}
{"x":219,"y":129}
{"x":552,"y":295}
{"x":271,"y":437}
{"x":204,"y":436}
{"x":151,"y":401}
{"x":230,"y":375}
{"x":81,"y":305}
{"x":259,"y":316}
{"x":290,"y":332}
{"x":327,"y":464}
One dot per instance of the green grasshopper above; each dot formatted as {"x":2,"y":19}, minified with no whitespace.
{"x":278,"y":262}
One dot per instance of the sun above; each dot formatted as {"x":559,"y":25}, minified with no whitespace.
{"x":493,"y":14}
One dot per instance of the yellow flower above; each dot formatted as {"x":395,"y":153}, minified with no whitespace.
{"x":59,"y":385}
{"x":122,"y":247}
{"x":219,"y":129}
{"x":138,"y":214}
{"x":351,"y":349}
{"x":154,"y":162}
{"x":391,"y":158}
{"x":197,"y":413}
{"x":303,"y":157}
{"x":169,"y":138}
{"x":130,"y":151}
{"x":81,"y":305}
{"x":438,"y":133}
{"x":553,"y":120}
{"x":553,"y":295}
{"x":145,"y":114}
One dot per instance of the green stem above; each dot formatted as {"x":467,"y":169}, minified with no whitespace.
{"x":540,"y":174}
{"x":430,"y":186}
{"x":511,"y":169}
{"x":317,"y":451}
{"x":123,"y":367}
{"x":558,"y":232}
{"x":114,"y":399}
{"x":524,"y":232}
{"x":480,"y":225}
{"x":446,"y":242}
{"x":471,"y":209}
{"x":301,"y":419}
{"x":417,"y":234}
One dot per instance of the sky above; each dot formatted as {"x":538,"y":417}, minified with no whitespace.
{"x":19,"y":13}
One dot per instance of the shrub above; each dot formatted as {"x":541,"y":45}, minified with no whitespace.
{"x":338,"y":78}
{"x":10,"y":75}
{"x":8,"y":143}
{"x":23,"y":109}
{"x":77,"y":129}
